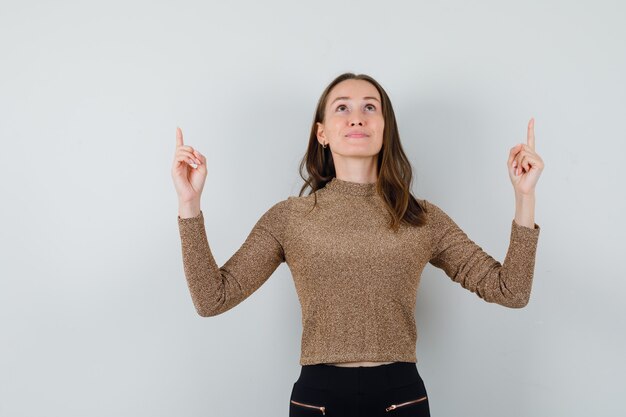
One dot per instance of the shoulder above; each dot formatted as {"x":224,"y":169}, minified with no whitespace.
{"x":426,"y":205}
{"x":282,"y":209}
{"x":275,"y":219}
{"x":434,"y":213}
{"x":277,"y":211}
{"x":303,"y":203}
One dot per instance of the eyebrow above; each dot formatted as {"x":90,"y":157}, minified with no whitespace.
{"x":346,"y":98}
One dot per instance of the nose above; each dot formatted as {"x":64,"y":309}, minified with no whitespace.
{"x":356,"y":118}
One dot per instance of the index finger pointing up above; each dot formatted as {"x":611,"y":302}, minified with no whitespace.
{"x":179,"y":137}
{"x":531,"y":133}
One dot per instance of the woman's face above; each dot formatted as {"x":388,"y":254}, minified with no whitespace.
{"x":354,"y":121}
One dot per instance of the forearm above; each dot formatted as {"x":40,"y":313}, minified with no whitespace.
{"x":525,"y":210}
{"x":216,"y":289}
{"x":211,"y":292}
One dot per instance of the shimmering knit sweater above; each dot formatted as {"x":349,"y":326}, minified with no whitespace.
{"x":356,"y":279}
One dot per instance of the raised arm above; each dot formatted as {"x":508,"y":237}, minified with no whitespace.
{"x":508,"y":283}
{"x":216,"y":289}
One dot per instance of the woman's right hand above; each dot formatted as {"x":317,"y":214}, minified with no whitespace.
{"x":188,"y":181}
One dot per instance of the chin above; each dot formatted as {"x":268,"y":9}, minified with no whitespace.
{"x":362,"y":153}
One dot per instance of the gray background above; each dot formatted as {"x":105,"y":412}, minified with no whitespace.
{"x":95,"y":314}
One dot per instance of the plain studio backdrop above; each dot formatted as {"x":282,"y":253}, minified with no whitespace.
{"x":95,"y":314}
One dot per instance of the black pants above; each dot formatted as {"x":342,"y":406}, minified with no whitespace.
{"x":394,"y":389}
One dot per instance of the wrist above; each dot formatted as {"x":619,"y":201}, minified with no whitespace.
{"x":525,"y":209}
{"x":187,"y":209}
{"x":523,"y":196}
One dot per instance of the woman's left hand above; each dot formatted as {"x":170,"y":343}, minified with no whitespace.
{"x":524,"y":164}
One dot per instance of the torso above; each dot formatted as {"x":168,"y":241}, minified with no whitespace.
{"x":354,"y":364}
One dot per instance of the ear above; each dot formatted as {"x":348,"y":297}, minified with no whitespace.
{"x":321,"y":136}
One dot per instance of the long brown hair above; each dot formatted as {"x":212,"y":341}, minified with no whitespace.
{"x":395,"y":174}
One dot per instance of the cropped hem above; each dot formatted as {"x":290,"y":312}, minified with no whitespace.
{"x":352,"y":357}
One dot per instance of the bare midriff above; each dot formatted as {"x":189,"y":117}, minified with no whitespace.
{"x":354,"y":364}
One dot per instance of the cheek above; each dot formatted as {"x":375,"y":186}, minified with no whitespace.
{"x":380,"y":128}
{"x":335,"y":128}
{"x":379,"y":121}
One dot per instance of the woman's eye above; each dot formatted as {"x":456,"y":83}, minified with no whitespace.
{"x":367,"y":106}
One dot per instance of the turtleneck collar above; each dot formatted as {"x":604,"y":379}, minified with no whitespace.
{"x":352,"y":188}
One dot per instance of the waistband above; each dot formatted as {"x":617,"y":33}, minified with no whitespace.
{"x":361,"y":379}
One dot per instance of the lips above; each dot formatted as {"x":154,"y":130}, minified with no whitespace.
{"x":356,"y":134}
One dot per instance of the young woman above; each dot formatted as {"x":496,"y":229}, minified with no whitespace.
{"x":356,"y":245}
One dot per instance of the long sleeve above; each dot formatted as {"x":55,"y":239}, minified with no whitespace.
{"x":215,"y":289}
{"x":508,"y":284}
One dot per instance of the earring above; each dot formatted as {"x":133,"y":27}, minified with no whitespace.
{"x":324,"y":146}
